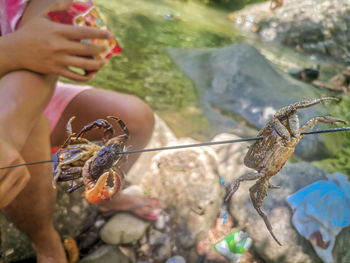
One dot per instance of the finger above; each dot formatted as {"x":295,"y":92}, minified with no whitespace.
{"x":73,"y":32}
{"x":69,"y":74}
{"x":88,"y":64}
{"x":85,"y":49}
{"x":58,"y":5}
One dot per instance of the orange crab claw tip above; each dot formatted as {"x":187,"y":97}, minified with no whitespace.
{"x":100,"y":191}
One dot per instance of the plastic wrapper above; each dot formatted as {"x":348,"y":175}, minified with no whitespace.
{"x":233,"y":245}
{"x":85,"y":13}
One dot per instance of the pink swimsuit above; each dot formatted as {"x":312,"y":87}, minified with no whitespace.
{"x":11,"y":12}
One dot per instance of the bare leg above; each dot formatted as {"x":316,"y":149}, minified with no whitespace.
{"x":234,"y":187}
{"x":24,"y":96}
{"x":94,"y":104}
{"x":18,"y":113}
{"x":257,"y":194}
{"x":32,"y":210}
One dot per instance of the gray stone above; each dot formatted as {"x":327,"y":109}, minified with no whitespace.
{"x":317,"y":26}
{"x":156,"y":237}
{"x":341,"y":252}
{"x":106,"y":254}
{"x":237,"y":85}
{"x":123,"y":228}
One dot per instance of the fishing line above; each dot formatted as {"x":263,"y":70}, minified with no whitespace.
{"x":188,"y":146}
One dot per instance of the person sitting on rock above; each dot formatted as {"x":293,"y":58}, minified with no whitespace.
{"x":33,"y":52}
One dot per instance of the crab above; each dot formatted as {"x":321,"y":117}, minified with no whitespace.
{"x":269,"y":155}
{"x":94,"y":163}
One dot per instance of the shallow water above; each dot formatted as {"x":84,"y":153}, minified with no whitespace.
{"x":146,"y":29}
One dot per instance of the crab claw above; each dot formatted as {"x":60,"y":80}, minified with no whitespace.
{"x":99,"y":192}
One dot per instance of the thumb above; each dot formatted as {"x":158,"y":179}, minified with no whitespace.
{"x":58,"y":5}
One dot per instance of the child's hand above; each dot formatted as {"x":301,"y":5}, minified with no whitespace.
{"x":46,"y":47}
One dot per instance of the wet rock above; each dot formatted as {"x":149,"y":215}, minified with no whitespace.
{"x":240,"y":89}
{"x":106,"y":254}
{"x":123,"y":228}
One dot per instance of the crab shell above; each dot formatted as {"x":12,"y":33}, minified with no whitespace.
{"x":99,"y":192}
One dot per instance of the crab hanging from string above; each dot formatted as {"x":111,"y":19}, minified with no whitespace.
{"x":269,"y":155}
{"x":96,"y":164}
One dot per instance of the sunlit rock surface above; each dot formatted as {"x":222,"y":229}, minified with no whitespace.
{"x":239,"y":90}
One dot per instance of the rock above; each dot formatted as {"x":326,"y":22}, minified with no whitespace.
{"x":187,"y":181}
{"x":324,"y":29}
{"x":341,"y":253}
{"x":123,"y":228}
{"x":160,"y":223}
{"x":239,"y":88}
{"x":186,"y":238}
{"x":161,"y":244}
{"x":156,"y":237}
{"x":161,"y":137}
{"x":106,"y":254}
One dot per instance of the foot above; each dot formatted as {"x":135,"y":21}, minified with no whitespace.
{"x":140,"y":206}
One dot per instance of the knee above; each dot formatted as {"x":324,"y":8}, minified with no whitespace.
{"x":141,"y":118}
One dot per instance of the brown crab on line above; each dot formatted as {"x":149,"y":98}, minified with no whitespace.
{"x":269,"y":155}
{"x":96,"y":164}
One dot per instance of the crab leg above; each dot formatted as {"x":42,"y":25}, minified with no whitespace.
{"x":122,"y":125}
{"x":69,"y":131}
{"x":308,"y":126}
{"x":287,"y":110}
{"x":73,"y":188}
{"x":76,"y":174}
{"x":234,"y":187}
{"x":101,"y":124}
{"x":257,"y":194}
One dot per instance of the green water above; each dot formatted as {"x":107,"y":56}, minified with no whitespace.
{"x":146,"y":29}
